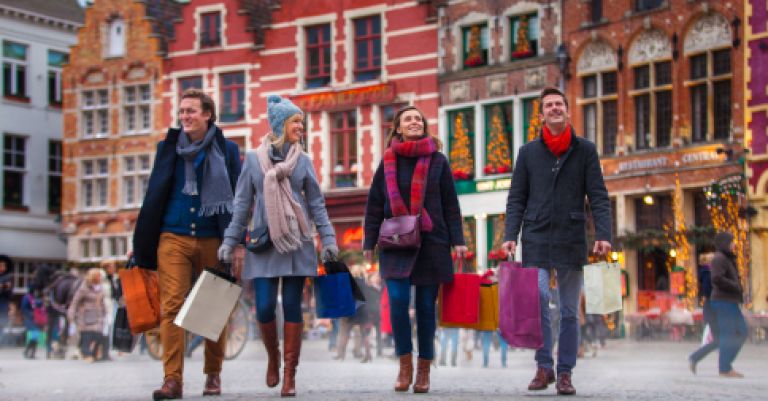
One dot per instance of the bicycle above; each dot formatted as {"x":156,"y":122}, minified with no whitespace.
{"x":238,"y":330}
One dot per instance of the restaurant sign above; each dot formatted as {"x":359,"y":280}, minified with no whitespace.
{"x":335,"y":100}
{"x":684,"y":158}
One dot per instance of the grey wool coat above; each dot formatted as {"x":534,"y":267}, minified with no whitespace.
{"x":547,"y":200}
{"x":249,"y":197}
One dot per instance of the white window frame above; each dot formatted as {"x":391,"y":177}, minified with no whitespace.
{"x":18,"y":169}
{"x":199,"y":11}
{"x":349,"y":44}
{"x":115,"y":47}
{"x":301,"y":53}
{"x":598,"y":101}
{"x":139,"y":106}
{"x":98,"y":180}
{"x":59,"y":95}
{"x":95,"y":110}
{"x":108,"y":249}
{"x":132,"y":194}
{"x":15,"y":64}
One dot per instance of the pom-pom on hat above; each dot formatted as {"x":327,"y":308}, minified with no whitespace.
{"x":278,"y":110}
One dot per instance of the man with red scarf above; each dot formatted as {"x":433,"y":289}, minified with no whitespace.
{"x":552,"y":177}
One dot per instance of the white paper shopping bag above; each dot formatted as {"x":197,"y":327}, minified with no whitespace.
{"x":207,"y":308}
{"x":602,"y":288}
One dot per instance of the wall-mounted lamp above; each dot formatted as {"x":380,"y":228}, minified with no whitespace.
{"x":563,"y":60}
{"x":736,"y":23}
{"x":648,"y":199}
{"x":675,"y":53}
{"x":620,"y":58}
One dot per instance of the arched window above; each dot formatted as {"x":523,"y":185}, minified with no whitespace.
{"x":597,"y":69}
{"x":650,"y":57}
{"x":707,"y":48}
{"x":116,"y":38}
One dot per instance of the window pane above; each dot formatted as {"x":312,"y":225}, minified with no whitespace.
{"x":721,"y":62}
{"x":698,"y":66}
{"x":663,"y":73}
{"x":642,"y":77}
{"x":609,"y":127}
{"x":642,"y":122}
{"x":14,"y":50}
{"x":663,"y":118}
{"x":590,"y":121}
{"x":54,"y":194}
{"x":57,"y":59}
{"x":699,"y":113}
{"x":590,"y":85}
{"x":13,"y":188}
{"x":609,"y":82}
{"x":722,"y":115}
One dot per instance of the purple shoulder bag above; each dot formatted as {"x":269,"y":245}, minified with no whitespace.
{"x":400,"y":233}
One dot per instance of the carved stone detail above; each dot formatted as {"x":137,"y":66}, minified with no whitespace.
{"x":650,"y":45}
{"x":535,"y":78}
{"x":497,"y":85}
{"x":459,"y":91}
{"x":597,"y":56}
{"x":708,"y":32}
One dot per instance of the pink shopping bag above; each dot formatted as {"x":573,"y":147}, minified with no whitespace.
{"x":519,"y":310}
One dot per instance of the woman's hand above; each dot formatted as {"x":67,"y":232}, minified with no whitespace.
{"x":460,"y":250}
{"x":368,"y":255}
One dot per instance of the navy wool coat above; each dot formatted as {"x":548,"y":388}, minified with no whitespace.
{"x":432,"y":263}
{"x":146,"y":236}
{"x":547,"y":199}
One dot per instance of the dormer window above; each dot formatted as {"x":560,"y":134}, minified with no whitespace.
{"x":116,"y":38}
{"x":210,"y":32}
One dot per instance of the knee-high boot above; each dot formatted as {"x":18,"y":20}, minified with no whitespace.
{"x":272,"y":345}
{"x":292,"y":348}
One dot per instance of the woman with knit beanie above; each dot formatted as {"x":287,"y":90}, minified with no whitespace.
{"x":414,"y":178}
{"x":279,"y":187}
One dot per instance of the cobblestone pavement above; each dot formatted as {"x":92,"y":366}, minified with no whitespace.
{"x":624,"y":370}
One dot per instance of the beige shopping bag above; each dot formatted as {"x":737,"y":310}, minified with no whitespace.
{"x":207,"y":308}
{"x":602,"y":288}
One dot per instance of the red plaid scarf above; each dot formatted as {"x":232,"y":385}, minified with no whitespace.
{"x":423,"y":149}
{"x":557,"y":144}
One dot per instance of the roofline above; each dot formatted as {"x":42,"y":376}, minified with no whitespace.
{"x":36,"y":17}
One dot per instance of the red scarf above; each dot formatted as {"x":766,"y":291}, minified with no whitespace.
{"x":423,"y":149}
{"x":557,"y":144}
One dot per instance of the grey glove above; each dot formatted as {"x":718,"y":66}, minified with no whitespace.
{"x":330,"y":252}
{"x":225,"y":253}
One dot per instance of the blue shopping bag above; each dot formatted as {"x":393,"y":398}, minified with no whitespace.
{"x":333,"y":295}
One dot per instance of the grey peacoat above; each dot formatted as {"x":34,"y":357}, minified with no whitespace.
{"x":547,"y":199}
{"x":249,"y":196}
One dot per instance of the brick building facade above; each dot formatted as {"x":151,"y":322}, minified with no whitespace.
{"x":112,"y":123}
{"x":658,"y":86}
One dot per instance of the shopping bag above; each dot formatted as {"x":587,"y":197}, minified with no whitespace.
{"x":488,"y":319}
{"x":336,"y":292}
{"x":122,"y":338}
{"x":602,"y":288}
{"x":459,"y":301}
{"x":142,"y":299}
{"x":207,"y":308}
{"x":519,"y":307}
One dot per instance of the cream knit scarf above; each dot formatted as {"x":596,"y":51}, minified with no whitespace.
{"x":285,"y":218}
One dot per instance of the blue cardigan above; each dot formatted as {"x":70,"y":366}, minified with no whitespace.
{"x":146,"y":235}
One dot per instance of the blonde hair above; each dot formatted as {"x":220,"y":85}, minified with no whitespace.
{"x":92,"y":274}
{"x":276,"y":141}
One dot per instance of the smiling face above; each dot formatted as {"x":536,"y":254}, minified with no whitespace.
{"x":411,"y":125}
{"x":554,"y":112}
{"x":193,"y":119}
{"x":294,"y":128}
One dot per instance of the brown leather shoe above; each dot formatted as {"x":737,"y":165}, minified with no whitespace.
{"x":421,"y":385}
{"x":564,"y":385}
{"x":732,"y":374}
{"x":292,"y":333}
{"x":272,"y":345}
{"x":405,"y":375}
{"x":212,"y":385}
{"x":544,"y":377}
{"x":171,"y":390}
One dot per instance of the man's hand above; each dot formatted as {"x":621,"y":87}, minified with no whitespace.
{"x":460,"y":250}
{"x":509,"y":246}
{"x":601,"y":248}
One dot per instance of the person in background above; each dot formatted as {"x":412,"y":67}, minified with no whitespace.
{"x":6,"y":290}
{"x":32,"y":308}
{"x":412,"y":165}
{"x":278,"y":186}
{"x":89,"y":312}
{"x":727,"y":295}
{"x":710,"y":320}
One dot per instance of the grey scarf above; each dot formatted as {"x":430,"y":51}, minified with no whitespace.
{"x":216,"y":193}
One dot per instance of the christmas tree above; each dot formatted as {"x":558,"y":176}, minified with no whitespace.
{"x":522,"y":45}
{"x":497,"y":151}
{"x":534,"y":124}
{"x":462,"y":162}
{"x":497,"y":227}
{"x":474,"y":49}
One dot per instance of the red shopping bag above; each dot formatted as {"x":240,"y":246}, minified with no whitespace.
{"x":460,"y":301}
{"x":519,"y":310}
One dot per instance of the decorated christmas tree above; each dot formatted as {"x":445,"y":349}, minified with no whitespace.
{"x":474,"y":48}
{"x":462,"y":162}
{"x":522,"y":44}
{"x":498,"y":152}
{"x":497,"y":253}
{"x":534,"y":123}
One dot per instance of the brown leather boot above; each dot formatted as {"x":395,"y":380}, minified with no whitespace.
{"x":292,"y":347}
{"x":564,"y":385}
{"x":212,"y":385}
{"x":544,"y":377}
{"x":272,"y":345}
{"x":405,"y":376}
{"x":171,"y":390}
{"x":422,"y":376}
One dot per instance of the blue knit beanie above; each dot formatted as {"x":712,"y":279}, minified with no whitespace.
{"x":278,"y":110}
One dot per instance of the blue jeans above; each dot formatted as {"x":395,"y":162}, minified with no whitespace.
{"x":426,"y":319}
{"x":486,"y":338}
{"x":449,"y":334}
{"x":733,"y":332}
{"x":711,"y":319}
{"x":265,"y":289}
{"x":569,"y":283}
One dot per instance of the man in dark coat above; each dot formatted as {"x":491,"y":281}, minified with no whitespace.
{"x":187,"y":207}
{"x":552,"y":177}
